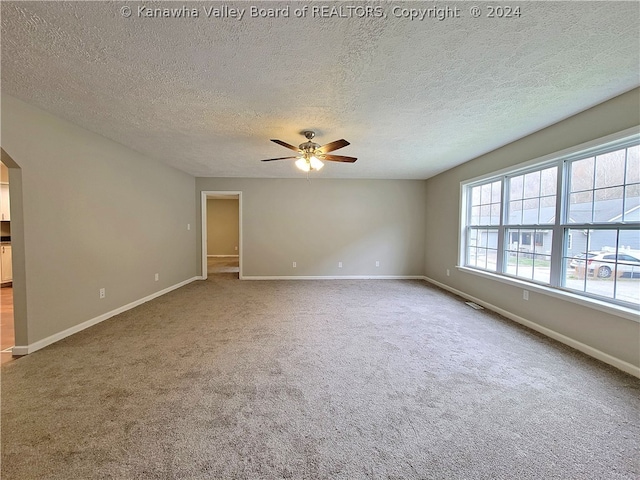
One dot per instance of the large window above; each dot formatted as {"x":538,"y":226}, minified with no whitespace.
{"x":570,"y":223}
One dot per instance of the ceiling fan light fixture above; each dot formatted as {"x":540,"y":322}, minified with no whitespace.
{"x":315,"y":163}
{"x":308,"y":163}
{"x":303,"y":164}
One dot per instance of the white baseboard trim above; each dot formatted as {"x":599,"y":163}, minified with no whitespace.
{"x":332,"y":277}
{"x":20,"y":350}
{"x":592,"y":352}
{"x":223,"y":256}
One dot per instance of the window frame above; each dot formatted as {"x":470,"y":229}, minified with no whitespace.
{"x":560,"y":228}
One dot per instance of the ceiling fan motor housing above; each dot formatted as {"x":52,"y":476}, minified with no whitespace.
{"x":309,"y":147}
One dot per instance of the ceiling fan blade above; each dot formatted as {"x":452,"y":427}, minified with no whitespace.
{"x":285,"y":144}
{"x":330,"y":147}
{"x":338,"y":158}
{"x":281,"y":158}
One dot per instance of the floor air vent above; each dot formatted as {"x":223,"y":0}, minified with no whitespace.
{"x":474,"y":305}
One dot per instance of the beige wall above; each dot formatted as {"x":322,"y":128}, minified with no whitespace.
{"x":611,"y":334}
{"x":320,"y":223}
{"x":222,"y":227}
{"x":4,"y":173}
{"x":95,"y":215}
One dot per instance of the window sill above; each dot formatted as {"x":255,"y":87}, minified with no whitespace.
{"x":618,"y":310}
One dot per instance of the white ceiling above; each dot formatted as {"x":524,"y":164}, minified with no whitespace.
{"x":414,"y":98}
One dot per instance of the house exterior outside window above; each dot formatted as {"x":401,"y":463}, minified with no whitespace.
{"x":569,"y":222}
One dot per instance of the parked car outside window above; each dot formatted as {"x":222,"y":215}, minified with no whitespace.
{"x":604,"y":264}
{"x":578,"y":260}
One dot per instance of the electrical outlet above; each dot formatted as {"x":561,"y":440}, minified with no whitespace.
{"x":448,"y":273}
{"x":377,"y":263}
{"x":103,"y":293}
{"x":236,"y":248}
{"x":525,"y":294}
{"x":157,"y":277}
{"x":339,"y":264}
{"x":188,"y":226}
{"x":294,"y":265}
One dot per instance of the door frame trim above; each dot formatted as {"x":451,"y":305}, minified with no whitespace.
{"x":223,"y":194}
{"x":18,"y":255}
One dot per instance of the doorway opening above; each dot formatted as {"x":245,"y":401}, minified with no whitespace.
{"x":222,"y":234}
{"x":7,"y":329}
{"x":13,"y":321}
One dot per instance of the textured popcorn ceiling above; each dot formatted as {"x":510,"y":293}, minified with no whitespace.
{"x":413,"y":97}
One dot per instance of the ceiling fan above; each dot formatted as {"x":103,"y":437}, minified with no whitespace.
{"x":310,"y":154}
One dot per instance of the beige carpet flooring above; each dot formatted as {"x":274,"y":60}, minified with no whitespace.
{"x":229,"y":379}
